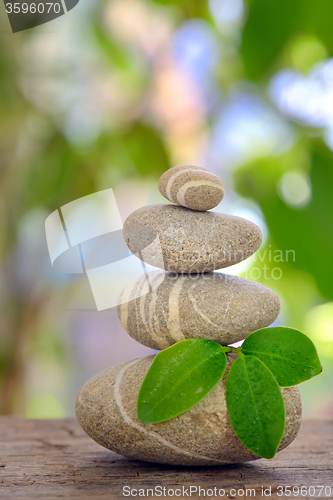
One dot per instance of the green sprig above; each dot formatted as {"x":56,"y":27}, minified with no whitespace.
{"x":270,"y":358}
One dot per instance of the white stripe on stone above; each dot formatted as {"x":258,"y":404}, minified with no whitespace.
{"x":198,"y":311}
{"x":173,"y":323}
{"x":144,"y":430}
{"x":142,"y":287}
{"x":171,"y":180}
{"x":125,"y":298}
{"x":182,"y":191}
{"x":153,"y":321}
{"x":142,"y":311}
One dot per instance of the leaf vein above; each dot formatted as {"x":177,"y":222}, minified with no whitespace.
{"x":184,"y":377}
{"x":254,"y":353}
{"x":254,"y":402}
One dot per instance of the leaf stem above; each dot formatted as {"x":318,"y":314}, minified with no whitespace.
{"x":226,"y":349}
{"x":236,"y":350}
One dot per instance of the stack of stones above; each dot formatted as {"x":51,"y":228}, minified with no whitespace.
{"x":184,"y":300}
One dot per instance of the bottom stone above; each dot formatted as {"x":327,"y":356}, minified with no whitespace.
{"x":106,"y":409}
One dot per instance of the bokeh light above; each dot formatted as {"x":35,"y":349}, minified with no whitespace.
{"x":295,"y":189}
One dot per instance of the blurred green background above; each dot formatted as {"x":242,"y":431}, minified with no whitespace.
{"x":114,"y":93}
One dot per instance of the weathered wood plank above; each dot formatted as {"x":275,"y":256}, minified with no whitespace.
{"x":55,"y":459}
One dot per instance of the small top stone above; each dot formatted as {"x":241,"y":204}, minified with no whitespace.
{"x":192,"y":187}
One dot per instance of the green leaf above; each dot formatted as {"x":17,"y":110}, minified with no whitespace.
{"x":179,"y":378}
{"x":276,"y":22}
{"x":255,"y":405}
{"x":288,"y":353}
{"x":304,"y":230}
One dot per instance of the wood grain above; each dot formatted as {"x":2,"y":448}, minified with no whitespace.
{"x":49,"y":459}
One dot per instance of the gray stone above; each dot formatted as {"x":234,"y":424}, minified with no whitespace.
{"x":106,"y":409}
{"x":214,"y":306}
{"x":192,"y":187}
{"x":186,"y":241}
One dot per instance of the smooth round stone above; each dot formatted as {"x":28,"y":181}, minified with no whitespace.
{"x":186,"y":241}
{"x":213,"y":306}
{"x":106,"y":408}
{"x":192,"y":187}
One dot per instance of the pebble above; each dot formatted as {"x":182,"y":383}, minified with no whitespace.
{"x":192,"y":187}
{"x":213,"y":306}
{"x":189,"y":241}
{"x":106,"y":408}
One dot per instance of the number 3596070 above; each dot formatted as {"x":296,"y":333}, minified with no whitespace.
{"x":32,"y":8}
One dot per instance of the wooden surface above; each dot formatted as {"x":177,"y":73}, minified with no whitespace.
{"x":51,"y":459}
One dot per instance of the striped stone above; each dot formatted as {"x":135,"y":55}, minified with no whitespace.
{"x":192,"y":187}
{"x":106,"y":408}
{"x":186,"y":241}
{"x":213,"y":306}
